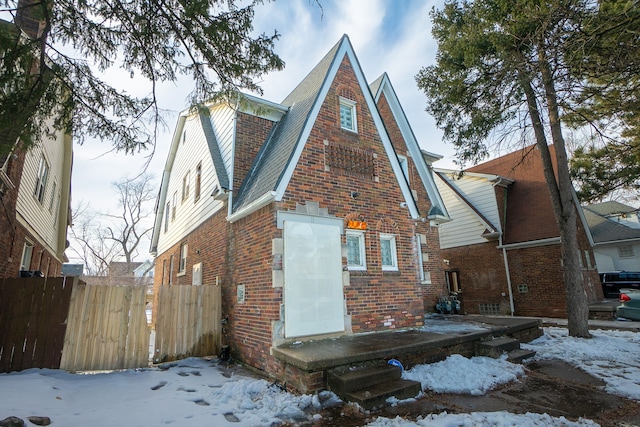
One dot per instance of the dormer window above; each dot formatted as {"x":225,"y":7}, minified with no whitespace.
{"x":348,"y":120}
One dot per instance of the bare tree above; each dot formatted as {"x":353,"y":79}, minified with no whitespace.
{"x":102,"y":238}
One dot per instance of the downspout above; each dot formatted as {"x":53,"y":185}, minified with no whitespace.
{"x":506,"y":269}
{"x":504,"y":253}
{"x":233,"y":156}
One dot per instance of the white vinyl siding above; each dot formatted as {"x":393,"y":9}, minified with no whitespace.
{"x":465,"y":227}
{"x":42,"y":217}
{"x":190,"y":153}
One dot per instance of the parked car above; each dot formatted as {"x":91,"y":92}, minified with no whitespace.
{"x":613,"y":281}
{"x":629,"y":304}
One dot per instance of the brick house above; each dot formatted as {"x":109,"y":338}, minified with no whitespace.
{"x":502,"y":248}
{"x":35,"y":193}
{"x":318,"y":215}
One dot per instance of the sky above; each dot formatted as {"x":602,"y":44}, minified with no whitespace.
{"x":392,"y":36}
{"x":196,"y":392}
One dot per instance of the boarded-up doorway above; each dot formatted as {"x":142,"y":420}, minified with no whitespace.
{"x":313,"y":295}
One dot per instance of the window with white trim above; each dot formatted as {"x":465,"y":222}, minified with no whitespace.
{"x":171,"y":270}
{"x":174,"y":200}
{"x":388,"y":252}
{"x":167,"y":212}
{"x":185,"y":186}
{"x":348,"y":119}
{"x":198,"y":183}
{"x":41,"y":181}
{"x":356,"y":258}
{"x":27,"y":252}
{"x":183,"y":258}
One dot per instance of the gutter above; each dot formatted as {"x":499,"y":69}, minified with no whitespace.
{"x":259,"y":203}
{"x":531,"y":244}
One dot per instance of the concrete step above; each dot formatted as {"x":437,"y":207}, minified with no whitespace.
{"x":376,"y":395}
{"x":497,"y":346}
{"x":517,"y":356}
{"x":344,"y":380}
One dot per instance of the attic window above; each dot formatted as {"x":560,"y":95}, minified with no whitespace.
{"x":348,"y":119}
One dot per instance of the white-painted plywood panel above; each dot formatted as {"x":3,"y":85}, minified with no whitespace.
{"x":313,"y":297}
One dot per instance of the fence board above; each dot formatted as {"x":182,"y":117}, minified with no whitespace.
{"x":188,"y":322}
{"x":107,"y":329}
{"x":33,"y":315}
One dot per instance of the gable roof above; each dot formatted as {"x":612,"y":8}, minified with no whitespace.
{"x":529,"y":215}
{"x":491,"y":229}
{"x":218,"y":164}
{"x":279,"y":155}
{"x":382,"y":85}
{"x":606,"y":230}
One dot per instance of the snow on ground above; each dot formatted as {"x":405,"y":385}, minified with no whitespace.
{"x":197,"y":392}
{"x":611,"y":355}
{"x":452,"y":375}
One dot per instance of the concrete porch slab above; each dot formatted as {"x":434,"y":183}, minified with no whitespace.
{"x":440,"y":334}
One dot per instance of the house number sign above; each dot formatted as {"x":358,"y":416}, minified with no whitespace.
{"x":357,"y":225}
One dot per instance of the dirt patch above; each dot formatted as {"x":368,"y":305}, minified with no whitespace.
{"x":553,"y":387}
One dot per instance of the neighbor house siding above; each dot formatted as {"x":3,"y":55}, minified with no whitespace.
{"x":466,"y":228}
{"x":40,"y":218}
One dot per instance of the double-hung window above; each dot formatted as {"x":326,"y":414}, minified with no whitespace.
{"x":388,"y":252}
{"x":27,"y":252}
{"x":356,"y":258}
{"x":348,"y":119}
{"x":185,"y":186}
{"x":183,"y":258}
{"x":41,"y":181}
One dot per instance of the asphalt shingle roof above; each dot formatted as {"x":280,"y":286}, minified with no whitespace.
{"x":274,"y":156}
{"x":604,"y":229}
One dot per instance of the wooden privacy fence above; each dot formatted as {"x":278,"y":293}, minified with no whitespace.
{"x":188,"y":322}
{"x":33,"y":313}
{"x":107,"y":328}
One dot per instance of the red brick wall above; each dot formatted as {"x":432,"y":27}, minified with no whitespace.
{"x":482,"y":276}
{"x":250,"y":332}
{"x":251,"y":132}
{"x":432,"y":262}
{"x":9,"y":262}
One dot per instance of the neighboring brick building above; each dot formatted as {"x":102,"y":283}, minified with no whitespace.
{"x":317,"y":216}
{"x":35,"y":188}
{"x":502,"y":248}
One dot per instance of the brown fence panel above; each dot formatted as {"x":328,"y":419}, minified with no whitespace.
{"x":188,"y":322}
{"x":107,"y":328}
{"x":33,"y":319}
